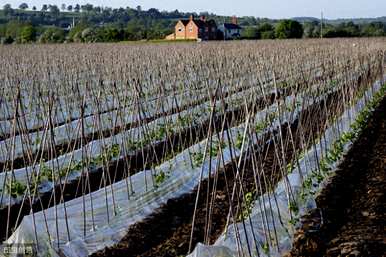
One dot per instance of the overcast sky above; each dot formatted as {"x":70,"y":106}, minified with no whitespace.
{"x":257,"y":8}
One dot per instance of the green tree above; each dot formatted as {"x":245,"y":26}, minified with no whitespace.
{"x":13,"y":29}
{"x":311,"y":29}
{"x":27,"y":34}
{"x":77,"y":8}
{"x":97,"y":9}
{"x":267,"y":31}
{"x":289,"y":29}
{"x":250,"y":32}
{"x":75,"y":34}
{"x":373,"y":29}
{"x":89,"y":35}
{"x":23,"y":6}
{"x":7,"y":8}
{"x":351,"y":28}
{"x":86,"y":8}
{"x":342,"y":30}
{"x":135,"y":30}
{"x":52,"y":35}
{"x":54,"y":10}
{"x":109,"y":34}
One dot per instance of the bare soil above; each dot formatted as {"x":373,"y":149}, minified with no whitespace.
{"x":351,"y":217}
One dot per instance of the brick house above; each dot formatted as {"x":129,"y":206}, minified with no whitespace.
{"x":194,"y":29}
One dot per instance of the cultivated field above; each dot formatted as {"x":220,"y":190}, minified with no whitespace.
{"x":162,"y":149}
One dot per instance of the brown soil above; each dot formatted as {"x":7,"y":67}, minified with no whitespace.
{"x":353,"y":203}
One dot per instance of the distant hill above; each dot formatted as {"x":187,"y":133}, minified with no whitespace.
{"x":338,"y":21}
{"x":306,"y":19}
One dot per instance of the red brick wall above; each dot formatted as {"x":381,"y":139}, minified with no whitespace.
{"x":191,"y":30}
{"x":180,"y":30}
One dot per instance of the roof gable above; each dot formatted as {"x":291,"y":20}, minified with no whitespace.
{"x":183,"y":22}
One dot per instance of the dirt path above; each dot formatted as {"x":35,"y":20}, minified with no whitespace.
{"x":353,"y":203}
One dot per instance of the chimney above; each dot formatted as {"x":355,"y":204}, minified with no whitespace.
{"x":191,"y":17}
{"x":203,"y":18}
{"x":234,"y":20}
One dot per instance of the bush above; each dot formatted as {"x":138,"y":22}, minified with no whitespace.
{"x":7,"y":40}
{"x":268,"y":35}
{"x":27,"y":34}
{"x":89,"y":35}
{"x":52,"y":35}
{"x":250,"y":33}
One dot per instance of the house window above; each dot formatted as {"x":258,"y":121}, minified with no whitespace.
{"x":191,"y":29}
{"x":180,"y":29}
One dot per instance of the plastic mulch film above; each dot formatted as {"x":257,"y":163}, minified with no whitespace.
{"x":87,"y":224}
{"x":67,"y":124}
{"x":71,"y":131}
{"x":107,"y":109}
{"x":105,"y":224}
{"x":270,"y":229}
{"x":95,"y":148}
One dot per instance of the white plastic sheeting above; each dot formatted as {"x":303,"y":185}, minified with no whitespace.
{"x":69,"y":110}
{"x":76,"y":232}
{"x":107,"y":111}
{"x":72,"y":130}
{"x":95,"y":148}
{"x":102,"y":228}
{"x":269,"y":232}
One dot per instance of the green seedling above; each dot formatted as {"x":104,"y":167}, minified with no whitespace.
{"x":15,"y":188}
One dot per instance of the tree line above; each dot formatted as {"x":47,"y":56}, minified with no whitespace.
{"x":88,"y":23}
{"x":293,"y":29}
